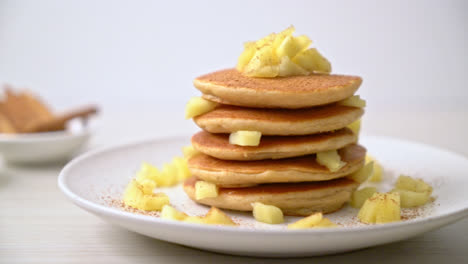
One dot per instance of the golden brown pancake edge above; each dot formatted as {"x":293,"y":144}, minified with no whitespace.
{"x":282,"y":122}
{"x":232,"y":87}
{"x":292,"y":199}
{"x":248,"y":173}
{"x":271,"y":147}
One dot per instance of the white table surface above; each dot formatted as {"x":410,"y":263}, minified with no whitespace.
{"x":39,"y":225}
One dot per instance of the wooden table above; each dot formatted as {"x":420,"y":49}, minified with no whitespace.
{"x":39,"y":225}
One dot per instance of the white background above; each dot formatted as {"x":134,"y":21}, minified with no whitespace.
{"x":137,"y":59}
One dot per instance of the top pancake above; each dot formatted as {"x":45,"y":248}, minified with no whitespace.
{"x":231,"y":87}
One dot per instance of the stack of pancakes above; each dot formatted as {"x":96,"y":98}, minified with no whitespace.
{"x":298,"y":116}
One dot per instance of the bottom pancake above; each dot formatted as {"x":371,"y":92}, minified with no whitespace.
{"x":300,"y":199}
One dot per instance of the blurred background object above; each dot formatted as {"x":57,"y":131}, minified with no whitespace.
{"x":137,"y":59}
{"x":23,"y":112}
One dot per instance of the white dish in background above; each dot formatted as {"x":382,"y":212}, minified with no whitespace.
{"x":36,"y":148}
{"x":95,"y":182}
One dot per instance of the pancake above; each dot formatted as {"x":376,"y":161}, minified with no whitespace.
{"x":230,"y":173}
{"x":280,"y":122}
{"x":271,"y":147}
{"x":292,"y":198}
{"x":231,"y":87}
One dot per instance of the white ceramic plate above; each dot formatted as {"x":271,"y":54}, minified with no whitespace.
{"x":35,"y":148}
{"x":95,"y":182}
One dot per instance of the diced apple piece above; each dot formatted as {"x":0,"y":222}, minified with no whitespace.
{"x":413,"y":192}
{"x":133,"y":191}
{"x":171,"y":174}
{"x":266,"y":57}
{"x":168,"y":176}
{"x":312,"y":61}
{"x":360,"y":196}
{"x":325,"y":222}
{"x":354,"y":101}
{"x":286,"y":47}
{"x":282,"y":35}
{"x":292,"y":46}
{"x":313,"y":221}
{"x":246,"y":55}
{"x":135,"y":198}
{"x":198,"y":106}
{"x":368,"y":211}
{"x":183,"y":171}
{"x":264,"y":63}
{"x":302,"y":42}
{"x":307,"y":222}
{"x":147,"y":186}
{"x":363,"y":173}
{"x":416,"y":185}
{"x":205,"y":189}
{"x":390,"y":210}
{"x":355,"y":127}
{"x":269,"y":214}
{"x":147,"y":171}
{"x":213,"y":217}
{"x":189,"y":151}
{"x":289,"y":68}
{"x":245,"y":138}
{"x":169,"y":212}
{"x":413,"y":199}
{"x":218,"y":217}
{"x":331,"y":160}
{"x":154,"y":202}
{"x":265,"y":41}
{"x":377,"y":174}
{"x":381,"y":208}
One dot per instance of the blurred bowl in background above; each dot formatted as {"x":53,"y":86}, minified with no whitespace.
{"x":46,"y":147}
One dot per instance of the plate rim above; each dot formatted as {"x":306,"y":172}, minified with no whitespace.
{"x":85,"y":204}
